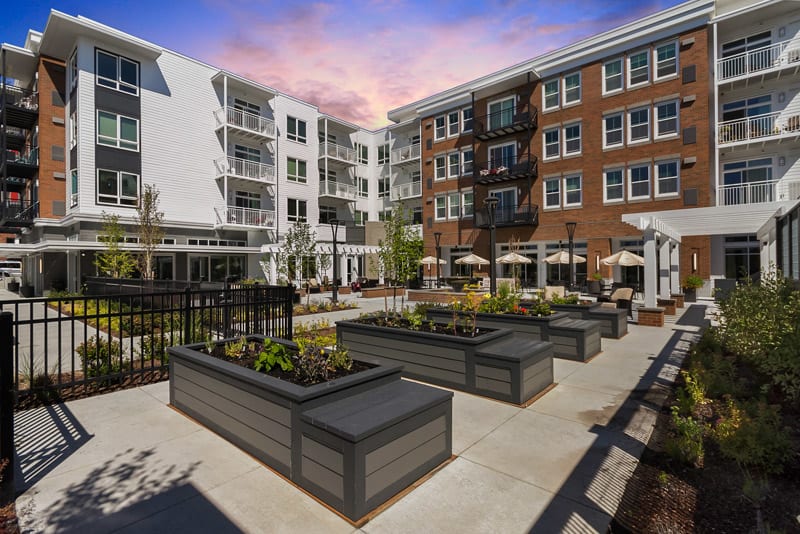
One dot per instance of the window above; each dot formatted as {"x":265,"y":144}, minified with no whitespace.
{"x":326,"y":214}
{"x":441,"y":207}
{"x":247,"y":153}
{"x":552,"y":193}
{"x":572,"y":88}
{"x":296,"y":210}
{"x":117,"y":131}
{"x":73,"y":199}
{"x":441,"y":167}
{"x":614,"y":187}
{"x":383,"y":186}
{"x":572,"y":190}
{"x":751,"y":63}
{"x":384,"y":215}
{"x":666,"y":119}
{"x":738,"y":174}
{"x":296,"y":130}
{"x":467,"y":204}
{"x":502,"y":156}
{"x":73,"y":69}
{"x":638,"y":68}
{"x":666,"y":56}
{"x":439,"y":131}
{"x":551,"y":94}
{"x":73,"y":129}
{"x":612,"y":76}
{"x":572,"y":139}
{"x":247,"y":199}
{"x":466,"y":117}
{"x":244,"y":105}
{"x":740,"y":109}
{"x":639,"y":125}
{"x":117,"y":188}
{"x":117,"y":72}
{"x":296,"y":170}
{"x":466,"y":162}
{"x":639,"y":182}
{"x":363,"y":186}
{"x":330,"y":176}
{"x":362,"y":153}
{"x":453,"y":164}
{"x":383,"y":154}
{"x":501,"y":113}
{"x":612,"y":130}
{"x":359,"y":217}
{"x":454,"y":205}
{"x":452,"y":123}
{"x":666,"y":178}
{"x":552,"y":147}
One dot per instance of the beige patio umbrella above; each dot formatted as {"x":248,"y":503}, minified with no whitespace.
{"x":472,"y":259}
{"x":431,"y":260}
{"x":513,"y":257}
{"x":625,"y":258}
{"x":562,"y":257}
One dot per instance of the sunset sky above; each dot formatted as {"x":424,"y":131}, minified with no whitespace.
{"x":355,"y":60}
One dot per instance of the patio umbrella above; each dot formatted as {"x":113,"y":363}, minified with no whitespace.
{"x":513,"y":257}
{"x":562,"y":257}
{"x":472,"y":259}
{"x":624,"y":258}
{"x":431,"y":260}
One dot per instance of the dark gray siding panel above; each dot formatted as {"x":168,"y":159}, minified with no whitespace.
{"x":115,"y":159}
{"x":106,"y":99}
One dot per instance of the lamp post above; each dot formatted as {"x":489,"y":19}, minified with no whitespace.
{"x":491,"y":207}
{"x":571,"y":233}
{"x":437,"y":236}
{"x":334,"y":229}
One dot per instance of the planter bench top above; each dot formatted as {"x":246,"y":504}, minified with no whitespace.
{"x":360,"y":416}
{"x":515,"y":348}
{"x":575,"y":325}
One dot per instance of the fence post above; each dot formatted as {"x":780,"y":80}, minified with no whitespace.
{"x":187,"y":315}
{"x":7,"y":406}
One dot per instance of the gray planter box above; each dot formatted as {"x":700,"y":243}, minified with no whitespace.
{"x":613,"y":321}
{"x":498,"y":364}
{"x":386,"y":433}
{"x":572,"y":339}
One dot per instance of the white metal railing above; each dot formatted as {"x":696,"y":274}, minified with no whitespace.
{"x":405,"y":154}
{"x":339,"y":152}
{"x":758,"y":127}
{"x":749,"y":193}
{"x":404,"y":191}
{"x":788,"y":190}
{"x":773,"y":56}
{"x":338,"y":190}
{"x":245,"y":120}
{"x":245,"y":217}
{"x":242,"y":168}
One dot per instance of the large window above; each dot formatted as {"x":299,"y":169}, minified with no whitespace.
{"x":326,"y":214}
{"x":453,"y":123}
{"x":572,"y":139}
{"x":612,"y":130}
{"x":117,"y":72}
{"x":612,"y":76}
{"x":117,"y":188}
{"x":467,"y":204}
{"x":441,"y":208}
{"x":614,"y":186}
{"x":383,"y":154}
{"x":466,"y":116}
{"x":440,"y":164}
{"x":667,"y":180}
{"x":552,"y":147}
{"x":244,"y":105}
{"x":742,"y":256}
{"x":466,"y":162}
{"x":383,"y":186}
{"x":296,"y":170}
{"x":502,"y":156}
{"x":296,"y":210}
{"x":638,"y":68}
{"x":501,"y":113}
{"x":117,"y":131}
{"x":572,"y":88}
{"x":247,"y":199}
{"x":363,"y":186}
{"x":439,"y":128}
{"x":750,"y":107}
{"x":247,"y":153}
{"x":639,"y":182}
{"x":454,"y":205}
{"x":572,"y":190}
{"x":359,"y":217}
{"x":296,"y":130}
{"x":362,"y":153}
{"x":666,"y":119}
{"x":453,"y":164}
{"x":551,"y":94}
{"x":639,"y":125}
{"x":552,"y":193}
{"x":666,"y":60}
{"x":747,"y":182}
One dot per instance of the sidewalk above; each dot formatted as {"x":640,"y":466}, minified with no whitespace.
{"x":126,"y":462}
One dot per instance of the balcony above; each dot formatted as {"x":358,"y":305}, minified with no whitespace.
{"x":506,"y":169}
{"x":21,"y":106}
{"x":406,"y":191}
{"x":338,"y":153}
{"x":406,"y":155}
{"x":22,"y":163}
{"x":763,"y":62}
{"x":245,"y":169}
{"x":522,"y":215}
{"x":236,"y":216}
{"x":759,"y":128}
{"x":245,"y":123}
{"x":749,"y":193}
{"x":18,"y":213}
{"x":505,"y":122}
{"x":337,"y":190}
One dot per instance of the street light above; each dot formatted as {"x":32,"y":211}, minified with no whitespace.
{"x":437,"y":236}
{"x":334,"y":229}
{"x":571,"y":233}
{"x":491,"y":207}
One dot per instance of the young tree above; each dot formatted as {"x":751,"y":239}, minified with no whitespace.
{"x":150,"y":230}
{"x":298,"y":245}
{"x":400,"y":250}
{"x":114,"y":262}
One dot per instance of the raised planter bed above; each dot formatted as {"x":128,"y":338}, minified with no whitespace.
{"x":573,"y":339}
{"x":497,"y":364}
{"x":372,"y":292}
{"x":668,"y":305}
{"x":353,"y":442}
{"x":613,"y":322}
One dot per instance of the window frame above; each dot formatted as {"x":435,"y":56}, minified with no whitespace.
{"x":453,"y":123}
{"x":499,"y":113}
{"x":362,"y":186}
{"x":621,"y":116}
{"x":73,"y":69}
{"x":631,"y":168}
{"x":657,"y":178}
{"x":297,"y":217}
{"x":325,"y":213}
{"x":119,"y":203}
{"x":630,"y":69}
{"x":557,"y":143}
{"x":656,"y":120}
{"x":675,"y":59}
{"x":464,"y":204}
{"x":564,"y":91}
{"x":118,"y":139}
{"x":621,"y":185}
{"x":439,"y":158}
{"x":297,"y":177}
{"x":579,"y":138}
{"x":555,"y":194}
{"x":557,"y":94}
{"x":117,"y":84}
{"x":465,"y":162}
{"x":621,"y":74}
{"x":384,"y":185}
{"x":631,"y":140}
{"x":385,"y":159}
{"x":296,"y":137}
{"x":436,"y":207}
{"x":466,"y":120}
{"x":567,"y":191}
{"x":437,"y":136}
{"x":453,"y":165}
{"x":457,"y":204}
{"x":74,"y":187}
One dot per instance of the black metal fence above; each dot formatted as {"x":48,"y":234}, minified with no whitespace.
{"x":73,"y":345}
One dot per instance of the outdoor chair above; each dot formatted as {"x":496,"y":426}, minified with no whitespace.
{"x":621,"y":298}
{"x":312,"y":286}
{"x":554,"y":291}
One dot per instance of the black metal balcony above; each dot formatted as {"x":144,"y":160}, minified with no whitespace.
{"x":22,"y":163}
{"x":16,"y":138}
{"x":522,"y":215}
{"x":506,"y":169}
{"x":505,"y":122}
{"x":20,"y":106}
{"x":18,"y":213}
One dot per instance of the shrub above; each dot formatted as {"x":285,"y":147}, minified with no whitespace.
{"x":692,"y":393}
{"x":100,"y":357}
{"x":692,"y":282}
{"x":272,"y":355}
{"x":503,"y":302}
{"x":155,"y":347}
{"x":686,"y":443}
{"x":569,"y":299}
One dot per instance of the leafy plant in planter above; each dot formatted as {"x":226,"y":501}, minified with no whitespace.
{"x":690,"y":286}
{"x":596,"y":276}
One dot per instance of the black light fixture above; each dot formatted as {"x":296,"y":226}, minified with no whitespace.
{"x":571,"y":234}
{"x":437,"y":236}
{"x":334,"y":230}
{"x":491,"y":208}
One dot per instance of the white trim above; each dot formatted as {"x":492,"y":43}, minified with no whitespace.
{"x":436,"y":198}
{"x":564,"y":101}
{"x":578,"y":152}
{"x":657,"y":181}
{"x":566,"y":192}
{"x":436,"y":136}
{"x":621,"y":116}
{"x":631,"y":140}
{"x":118,"y":139}
{"x":545,"y":131}
{"x":436,"y":177}
{"x":557,"y":94}
{"x":557,"y":180}
{"x":649,"y":194}
{"x":674,"y":43}
{"x":620,"y":169}
{"x":655,"y":120}
{"x":621,"y":61}
{"x":629,"y":69}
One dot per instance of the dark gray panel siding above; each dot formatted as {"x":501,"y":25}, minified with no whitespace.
{"x":106,"y":99}
{"x":115,"y":159}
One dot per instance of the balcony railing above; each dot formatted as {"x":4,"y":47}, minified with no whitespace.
{"x":771,"y":57}
{"x":768,"y":125}
{"x":233,"y":215}
{"x":749,"y":193}
{"x":339,"y":152}
{"x":406,"y":154}
{"x":242,"y":168}
{"x":509,"y":216}
{"x":245,"y":121}
{"x":21,"y":98}
{"x":29,"y":156}
{"x":507,"y":168}
{"x":15,"y":213}
{"x":505,"y":122}
{"x":338,"y":190}
{"x":406,"y":191}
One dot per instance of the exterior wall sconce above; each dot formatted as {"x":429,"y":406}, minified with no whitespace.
{"x":694,"y":261}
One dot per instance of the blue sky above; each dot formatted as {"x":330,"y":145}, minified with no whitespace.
{"x":356,"y":60}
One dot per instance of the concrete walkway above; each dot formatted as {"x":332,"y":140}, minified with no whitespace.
{"x":126,"y":462}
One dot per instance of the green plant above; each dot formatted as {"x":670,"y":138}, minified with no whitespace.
{"x":114,"y":261}
{"x":506,"y":300}
{"x":663,"y":478}
{"x":569,"y":299}
{"x":100,"y":357}
{"x":692,"y":282}
{"x":311,"y":364}
{"x":339,"y":358}
{"x":155,"y":347}
{"x":272,"y":354}
{"x":236,"y":349}
{"x":540,"y":308}
{"x":692,"y":393}
{"x":596,"y":276}
{"x":686,"y":443}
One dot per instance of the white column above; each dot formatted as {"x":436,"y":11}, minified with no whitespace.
{"x":650,"y":268}
{"x":675,"y":268}
{"x":663,"y":264}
